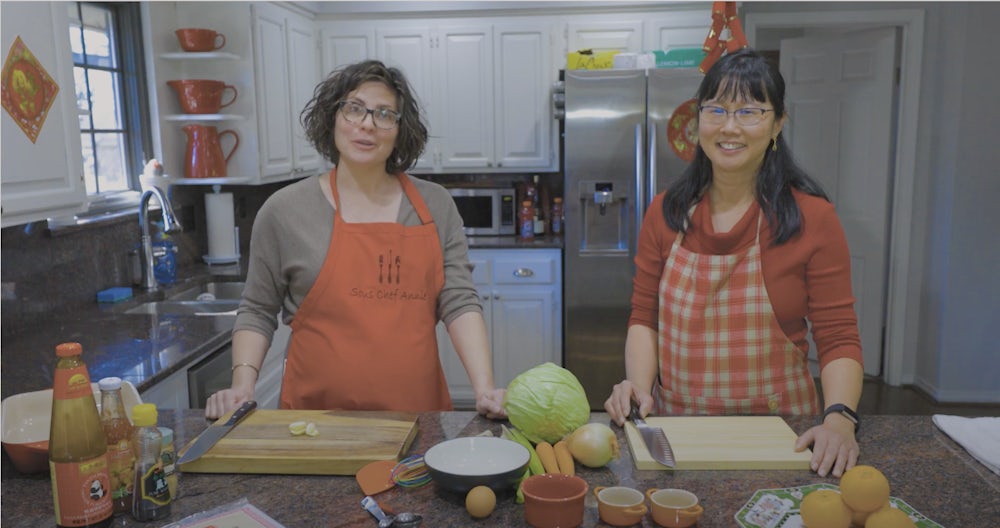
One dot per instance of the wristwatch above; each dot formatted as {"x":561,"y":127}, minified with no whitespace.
{"x":846,"y":412}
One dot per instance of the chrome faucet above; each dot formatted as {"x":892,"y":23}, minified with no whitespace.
{"x":170,"y":225}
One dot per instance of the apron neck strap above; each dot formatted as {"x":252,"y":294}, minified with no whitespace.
{"x":419,"y":205}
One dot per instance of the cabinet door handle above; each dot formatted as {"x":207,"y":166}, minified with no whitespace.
{"x":523,"y":273}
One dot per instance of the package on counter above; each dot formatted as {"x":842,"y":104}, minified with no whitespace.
{"x":679,"y":57}
{"x":588,"y":59}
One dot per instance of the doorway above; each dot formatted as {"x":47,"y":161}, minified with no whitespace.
{"x":772,"y":27}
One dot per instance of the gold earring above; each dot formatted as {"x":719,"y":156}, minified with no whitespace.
{"x":774,"y":145}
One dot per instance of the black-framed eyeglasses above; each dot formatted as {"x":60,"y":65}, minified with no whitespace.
{"x":383,"y":118}
{"x":716,"y":115}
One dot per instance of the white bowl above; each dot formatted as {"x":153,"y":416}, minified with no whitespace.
{"x":461,"y":464}
{"x":25,"y":424}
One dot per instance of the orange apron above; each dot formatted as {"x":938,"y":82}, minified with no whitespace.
{"x":721,"y":348}
{"x":364,"y":337}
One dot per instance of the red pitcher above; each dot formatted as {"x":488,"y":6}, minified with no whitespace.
{"x":204,"y":152}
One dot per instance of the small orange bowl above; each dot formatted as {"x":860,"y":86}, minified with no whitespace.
{"x":25,"y":425}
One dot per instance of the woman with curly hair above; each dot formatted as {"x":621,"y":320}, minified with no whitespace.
{"x":362,"y":261}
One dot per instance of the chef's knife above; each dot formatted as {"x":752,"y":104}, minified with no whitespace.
{"x":654,"y":438}
{"x":214,"y":433}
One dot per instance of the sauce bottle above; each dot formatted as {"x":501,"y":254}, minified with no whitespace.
{"x":539,"y":220}
{"x":527,"y":221}
{"x":151,"y":494}
{"x":118,"y":433}
{"x":557,"y":216}
{"x":169,"y":457}
{"x":78,"y":452}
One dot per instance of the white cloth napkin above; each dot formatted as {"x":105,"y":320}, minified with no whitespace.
{"x":979,"y":436}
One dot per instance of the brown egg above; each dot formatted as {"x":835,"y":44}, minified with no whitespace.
{"x":480,"y":502}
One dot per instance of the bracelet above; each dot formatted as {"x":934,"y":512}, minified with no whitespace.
{"x":255,"y":369}
{"x":844,"y":411}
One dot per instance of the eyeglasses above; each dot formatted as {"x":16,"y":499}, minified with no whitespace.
{"x":382,"y":117}
{"x":716,"y":115}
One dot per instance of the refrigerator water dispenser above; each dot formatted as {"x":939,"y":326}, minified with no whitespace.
{"x":604,"y":217}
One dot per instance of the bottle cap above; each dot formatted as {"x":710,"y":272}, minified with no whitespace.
{"x":69,"y":349}
{"x":168,"y":435}
{"x":526,"y":203}
{"x":144,"y":414}
{"x":110,"y":384}
{"x":557,"y":199}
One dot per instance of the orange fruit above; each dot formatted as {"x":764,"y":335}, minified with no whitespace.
{"x":889,"y":517}
{"x":865,"y":489}
{"x":824,"y":508}
{"x":858,"y":518}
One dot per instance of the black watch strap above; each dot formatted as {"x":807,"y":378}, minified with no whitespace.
{"x":846,"y":411}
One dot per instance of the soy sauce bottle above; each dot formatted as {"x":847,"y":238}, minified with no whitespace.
{"x":150,"y":491}
{"x":78,"y":451}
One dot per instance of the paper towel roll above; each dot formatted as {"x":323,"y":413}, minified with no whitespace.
{"x":222,"y":244}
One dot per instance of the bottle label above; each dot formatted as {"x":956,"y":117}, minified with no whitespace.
{"x":71,"y":383}
{"x":154,"y":485}
{"x":121,"y":467}
{"x":81,"y":491}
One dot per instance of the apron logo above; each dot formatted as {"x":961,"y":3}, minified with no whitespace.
{"x":388,"y":294}
{"x":387,"y":263}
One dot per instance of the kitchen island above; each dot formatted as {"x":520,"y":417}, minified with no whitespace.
{"x":926,"y":469}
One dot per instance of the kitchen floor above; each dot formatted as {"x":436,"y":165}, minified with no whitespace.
{"x":879,"y":398}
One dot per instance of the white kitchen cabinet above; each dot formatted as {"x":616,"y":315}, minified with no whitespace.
{"x":483,"y":86}
{"x":521,"y":291}
{"x":42,"y":178}
{"x":679,"y":29}
{"x":523,"y":76}
{"x":605,"y":34}
{"x":286,"y":70}
{"x":345,"y":43}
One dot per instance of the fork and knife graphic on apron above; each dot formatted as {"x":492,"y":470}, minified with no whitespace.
{"x":388,"y":269}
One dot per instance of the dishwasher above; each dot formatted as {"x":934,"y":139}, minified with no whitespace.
{"x":210,"y":375}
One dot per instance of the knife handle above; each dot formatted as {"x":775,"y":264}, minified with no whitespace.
{"x":241,"y":413}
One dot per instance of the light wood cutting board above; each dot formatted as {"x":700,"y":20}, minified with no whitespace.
{"x":347,"y":441}
{"x":722,"y":442}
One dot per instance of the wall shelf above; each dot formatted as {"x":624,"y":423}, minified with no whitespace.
{"x":203,"y":117}
{"x":189,"y":55}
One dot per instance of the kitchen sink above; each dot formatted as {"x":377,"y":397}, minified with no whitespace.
{"x":210,"y":291}
{"x":175,"y":307}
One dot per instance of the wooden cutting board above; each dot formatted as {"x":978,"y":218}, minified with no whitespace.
{"x":722,"y":442}
{"x":347,"y":441}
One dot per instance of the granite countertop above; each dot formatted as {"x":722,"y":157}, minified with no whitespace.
{"x":926,"y":469}
{"x":143,"y":349}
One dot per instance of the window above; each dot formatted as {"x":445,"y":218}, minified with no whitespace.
{"x":111,"y":97}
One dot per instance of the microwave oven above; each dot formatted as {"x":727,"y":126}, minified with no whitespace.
{"x":486,"y":211}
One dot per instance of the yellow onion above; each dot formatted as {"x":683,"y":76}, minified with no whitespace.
{"x":593,"y":445}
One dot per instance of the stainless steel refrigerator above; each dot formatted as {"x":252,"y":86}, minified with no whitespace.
{"x":618,"y":153}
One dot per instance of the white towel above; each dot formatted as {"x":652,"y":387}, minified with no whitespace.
{"x":979,"y":436}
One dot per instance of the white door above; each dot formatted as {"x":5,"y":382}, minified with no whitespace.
{"x":840,"y":100}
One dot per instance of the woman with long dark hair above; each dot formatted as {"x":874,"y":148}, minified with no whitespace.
{"x":737,"y":262}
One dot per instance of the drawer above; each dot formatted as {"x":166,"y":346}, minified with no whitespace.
{"x":524,"y":271}
{"x":480,"y":270}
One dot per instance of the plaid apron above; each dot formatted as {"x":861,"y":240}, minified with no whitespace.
{"x":721,"y":349}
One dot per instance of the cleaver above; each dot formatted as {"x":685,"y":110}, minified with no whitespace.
{"x":654,"y":438}
{"x":214,"y":433}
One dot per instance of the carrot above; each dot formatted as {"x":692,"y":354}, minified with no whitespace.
{"x":564,"y":458}
{"x":548,"y":457}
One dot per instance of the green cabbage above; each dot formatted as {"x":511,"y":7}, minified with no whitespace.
{"x":546,"y":403}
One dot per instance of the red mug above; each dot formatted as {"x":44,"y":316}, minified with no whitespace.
{"x":199,"y":96}
{"x":197,"y":39}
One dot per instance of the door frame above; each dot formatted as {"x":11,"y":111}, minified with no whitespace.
{"x":911,"y":24}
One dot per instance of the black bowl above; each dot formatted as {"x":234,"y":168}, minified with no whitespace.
{"x":460,"y":464}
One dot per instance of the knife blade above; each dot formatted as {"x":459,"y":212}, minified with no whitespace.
{"x":654,"y":438}
{"x":214,"y":433}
